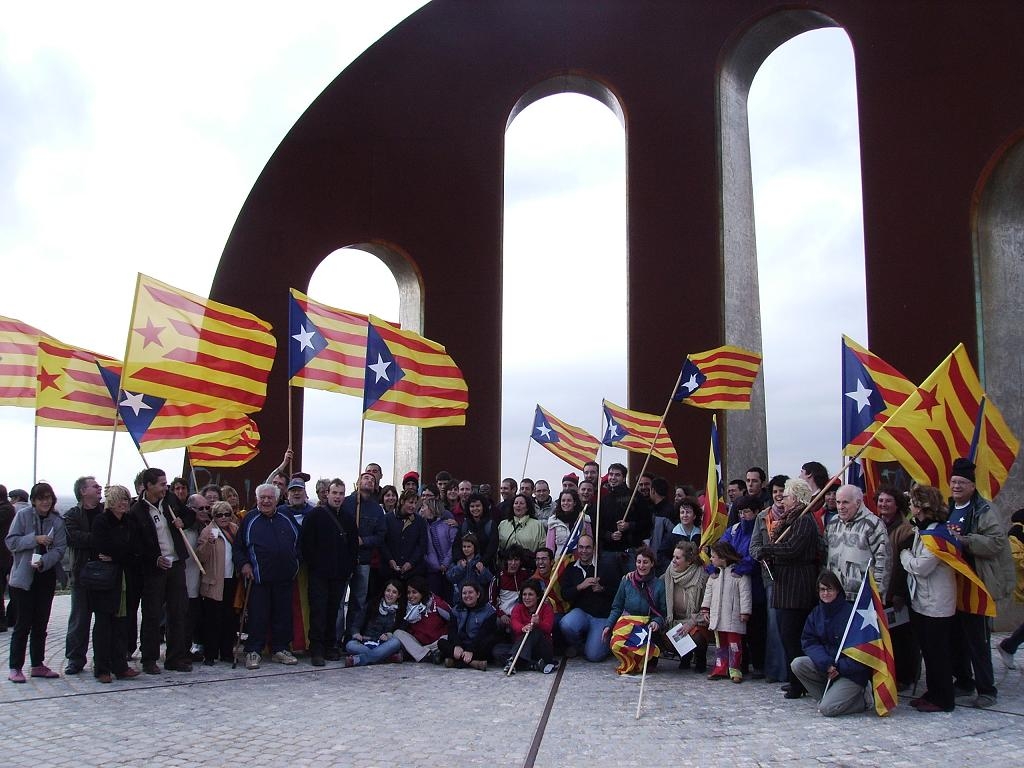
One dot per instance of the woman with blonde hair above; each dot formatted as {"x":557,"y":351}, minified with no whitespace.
{"x":793,"y":555}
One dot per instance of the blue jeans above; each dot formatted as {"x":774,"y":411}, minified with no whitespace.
{"x":581,"y":629}
{"x":368,"y":655}
{"x":356,"y":611}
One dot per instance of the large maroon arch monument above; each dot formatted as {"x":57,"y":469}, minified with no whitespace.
{"x":405,"y":150}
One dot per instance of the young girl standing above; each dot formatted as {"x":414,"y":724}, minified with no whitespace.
{"x":727,"y":606}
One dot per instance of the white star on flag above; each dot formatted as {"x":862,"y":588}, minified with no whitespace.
{"x":545,"y":430}
{"x":641,"y":635}
{"x":868,"y":617}
{"x":380,"y":368}
{"x":691,"y":383}
{"x":135,"y":402}
{"x":304,"y":337}
{"x":613,"y":431}
{"x":860,"y":396}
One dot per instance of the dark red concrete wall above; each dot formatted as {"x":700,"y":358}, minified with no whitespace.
{"x":406,"y":147}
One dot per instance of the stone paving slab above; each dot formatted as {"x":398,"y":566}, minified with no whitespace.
{"x":423,"y":715}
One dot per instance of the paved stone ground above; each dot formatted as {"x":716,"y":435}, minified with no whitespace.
{"x":422,"y":715}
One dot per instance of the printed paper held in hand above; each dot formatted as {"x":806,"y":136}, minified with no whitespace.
{"x":680,"y":637}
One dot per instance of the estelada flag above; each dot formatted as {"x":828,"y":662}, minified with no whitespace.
{"x":867,"y":641}
{"x":18,"y":362}
{"x":716,"y":516}
{"x":228,"y":451}
{"x":192,"y":350}
{"x":326,"y":346}
{"x":410,"y":379}
{"x":972,"y":596}
{"x":722,"y":377}
{"x":571,"y":444}
{"x":947,"y":417}
{"x":71,"y":391}
{"x":872,"y":391}
{"x":629,"y":642}
{"x":637,"y":431}
{"x":156,"y":424}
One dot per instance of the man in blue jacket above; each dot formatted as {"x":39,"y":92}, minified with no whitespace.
{"x":266,"y":552}
{"x":824,"y":665}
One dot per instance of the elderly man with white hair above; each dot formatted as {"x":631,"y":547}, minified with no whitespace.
{"x":856,"y":537}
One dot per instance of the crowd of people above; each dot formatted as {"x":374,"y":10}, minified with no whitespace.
{"x":438,"y":571}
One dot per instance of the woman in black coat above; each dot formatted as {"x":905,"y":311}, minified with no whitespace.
{"x":112,"y":543}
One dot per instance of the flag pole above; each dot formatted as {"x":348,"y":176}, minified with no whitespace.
{"x":291,"y":468}
{"x":191,"y":469}
{"x":547,"y":590}
{"x":359,"y":469}
{"x":643,"y":677}
{"x":124,"y":370}
{"x":654,"y":440}
{"x":525,"y":460}
{"x":113,"y":437}
{"x":35,"y":456}
{"x":849,"y":623}
{"x":597,"y":491}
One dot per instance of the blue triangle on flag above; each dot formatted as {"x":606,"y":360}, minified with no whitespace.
{"x":382,"y":369}
{"x":136,"y":410}
{"x":305,"y":341}
{"x":690,"y":381}
{"x":542,"y":431}
{"x":862,"y":401}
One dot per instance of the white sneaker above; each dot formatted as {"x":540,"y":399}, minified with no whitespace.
{"x":548,"y":669}
{"x":284,"y":657}
{"x":252,"y":660}
{"x":1006,"y":656}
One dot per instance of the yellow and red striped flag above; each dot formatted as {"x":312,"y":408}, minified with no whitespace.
{"x":156,"y":424}
{"x":948,"y":417}
{"x":326,"y":346}
{"x":637,"y":431}
{"x":571,"y":444}
{"x":972,"y":596}
{"x":229,"y":451}
{"x":71,"y":392}
{"x":410,"y":379}
{"x":18,"y":364}
{"x":630,"y":643}
{"x":722,"y":377}
{"x":872,"y":391}
{"x":716,"y":516}
{"x":867,"y":640}
{"x":192,"y":350}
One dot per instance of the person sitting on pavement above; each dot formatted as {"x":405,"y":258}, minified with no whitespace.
{"x":588,"y":591}
{"x":685,"y":579}
{"x":425,"y":622}
{"x":532,"y":627}
{"x":505,"y":589}
{"x":266,"y":552}
{"x":376,"y":641}
{"x":640,"y":594}
{"x":471,"y":631}
{"x":832,"y":678}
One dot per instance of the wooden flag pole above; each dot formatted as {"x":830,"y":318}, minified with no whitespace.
{"x":643,"y":677}
{"x":527,"y":459}
{"x":654,"y":440}
{"x":35,"y":457}
{"x":597,"y":502}
{"x":188,"y":545}
{"x":359,"y":470}
{"x":192,"y":470}
{"x":547,"y":591}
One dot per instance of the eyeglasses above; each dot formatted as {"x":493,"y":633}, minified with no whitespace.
{"x":823,"y":588}
{"x":223,"y":514}
{"x":201,"y":509}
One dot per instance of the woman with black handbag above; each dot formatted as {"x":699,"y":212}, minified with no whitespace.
{"x":103,"y":578}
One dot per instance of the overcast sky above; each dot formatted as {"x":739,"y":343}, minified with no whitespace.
{"x":132,"y":136}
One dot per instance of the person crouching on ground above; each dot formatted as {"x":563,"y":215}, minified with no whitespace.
{"x":820,"y":668}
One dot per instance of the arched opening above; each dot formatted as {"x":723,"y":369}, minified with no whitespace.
{"x":795,"y":281}
{"x":999,"y":281}
{"x":369,"y":278}
{"x":564,"y":267}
